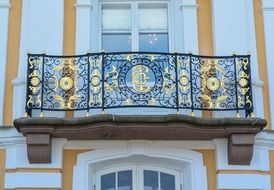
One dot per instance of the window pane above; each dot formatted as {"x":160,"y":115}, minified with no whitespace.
{"x":116,"y":17}
{"x":167,"y":181}
{"x":152,"y":16}
{"x":125,"y":180}
{"x":108,"y":182}
{"x":150,"y":180}
{"x":153,"y":42}
{"x":116,"y":42}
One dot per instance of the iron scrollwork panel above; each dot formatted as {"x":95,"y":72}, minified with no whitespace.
{"x":136,"y":79}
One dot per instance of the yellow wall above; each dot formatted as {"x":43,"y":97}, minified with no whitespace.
{"x":205,"y":37}
{"x":3,"y":167}
{"x":271,"y":159}
{"x":209,"y":162}
{"x":260,"y":40}
{"x":69,"y":160}
{"x":69,"y":32}
{"x":12,"y":56}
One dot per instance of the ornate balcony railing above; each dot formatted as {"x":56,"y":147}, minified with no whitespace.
{"x":138,"y":79}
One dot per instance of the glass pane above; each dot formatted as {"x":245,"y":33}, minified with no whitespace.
{"x":108,"y":182}
{"x":153,"y":42}
{"x":150,"y":180}
{"x":125,"y":180}
{"x":167,"y":181}
{"x":152,"y":16}
{"x":116,"y":17}
{"x":116,"y":42}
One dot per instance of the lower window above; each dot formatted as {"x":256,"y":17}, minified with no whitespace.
{"x":138,"y":177}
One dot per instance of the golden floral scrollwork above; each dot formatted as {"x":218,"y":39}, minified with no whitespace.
{"x":152,"y":57}
{"x":245,"y":63}
{"x":240,"y":102}
{"x":208,"y":100}
{"x":114,"y":77}
{"x":248,"y":102}
{"x":30,"y":101}
{"x":128,"y":57}
{"x":66,"y":83}
{"x":66,"y":104}
{"x":166,"y":85}
{"x":34,"y":81}
{"x":185,"y":84}
{"x":67,"y":63}
{"x":219,"y":100}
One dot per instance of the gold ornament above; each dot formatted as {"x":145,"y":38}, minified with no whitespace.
{"x":66,"y":83}
{"x":213,"y":84}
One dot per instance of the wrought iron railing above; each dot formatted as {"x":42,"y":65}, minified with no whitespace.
{"x":138,"y":79}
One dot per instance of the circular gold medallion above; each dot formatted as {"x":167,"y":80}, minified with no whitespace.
{"x":213,"y":84}
{"x":35,"y":81}
{"x":184,"y":80}
{"x":66,"y":83}
{"x":242,"y":82}
{"x":95,"y":81}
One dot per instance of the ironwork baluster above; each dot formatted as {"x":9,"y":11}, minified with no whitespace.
{"x":42,"y":84}
{"x":191,"y":86}
{"x":28,"y":110}
{"x":249,"y":111}
{"x":236,"y":84}
{"x":176,"y":81}
{"x":89,"y":81}
{"x":103,"y":81}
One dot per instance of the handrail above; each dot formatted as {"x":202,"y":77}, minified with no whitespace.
{"x":139,"y":79}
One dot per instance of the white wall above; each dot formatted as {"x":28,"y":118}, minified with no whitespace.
{"x":234,"y":31}
{"x":41,"y":30}
{"x":268,"y":14}
{"x":4,"y":20}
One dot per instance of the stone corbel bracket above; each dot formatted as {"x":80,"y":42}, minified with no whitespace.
{"x":240,"y":132}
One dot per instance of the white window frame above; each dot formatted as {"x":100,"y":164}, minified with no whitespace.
{"x":134,"y":21}
{"x":138,"y":174}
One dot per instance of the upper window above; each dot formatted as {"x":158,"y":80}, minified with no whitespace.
{"x":138,"y":177}
{"x":135,"y":26}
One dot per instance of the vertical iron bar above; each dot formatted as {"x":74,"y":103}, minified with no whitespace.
{"x":176,"y":81}
{"x":236,"y":83}
{"x":88,"y":78}
{"x":42,"y":86}
{"x":103,"y":81}
{"x":191,"y":86}
{"x":251,"y":110}
{"x":28,"y":110}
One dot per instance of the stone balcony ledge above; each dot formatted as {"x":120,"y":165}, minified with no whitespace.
{"x":240,"y":132}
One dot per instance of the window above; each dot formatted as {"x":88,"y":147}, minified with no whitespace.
{"x":134,"y":26}
{"x":138,"y":177}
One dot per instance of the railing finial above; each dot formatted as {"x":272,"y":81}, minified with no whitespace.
{"x":26,"y":114}
{"x":41,"y":114}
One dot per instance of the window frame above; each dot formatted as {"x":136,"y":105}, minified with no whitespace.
{"x":134,"y":21}
{"x":138,"y":174}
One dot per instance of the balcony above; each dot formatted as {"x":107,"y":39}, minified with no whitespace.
{"x":107,"y":81}
{"x":103,"y":84}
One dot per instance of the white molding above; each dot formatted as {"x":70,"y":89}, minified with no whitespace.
{"x":192,"y":160}
{"x":97,"y":144}
{"x":260,"y":158}
{"x":16,"y":153}
{"x":243,"y":181}
{"x":268,"y":15}
{"x":4,"y":20}
{"x":33,"y":180}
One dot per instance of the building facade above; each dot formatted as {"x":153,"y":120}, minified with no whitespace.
{"x":136,"y":94}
